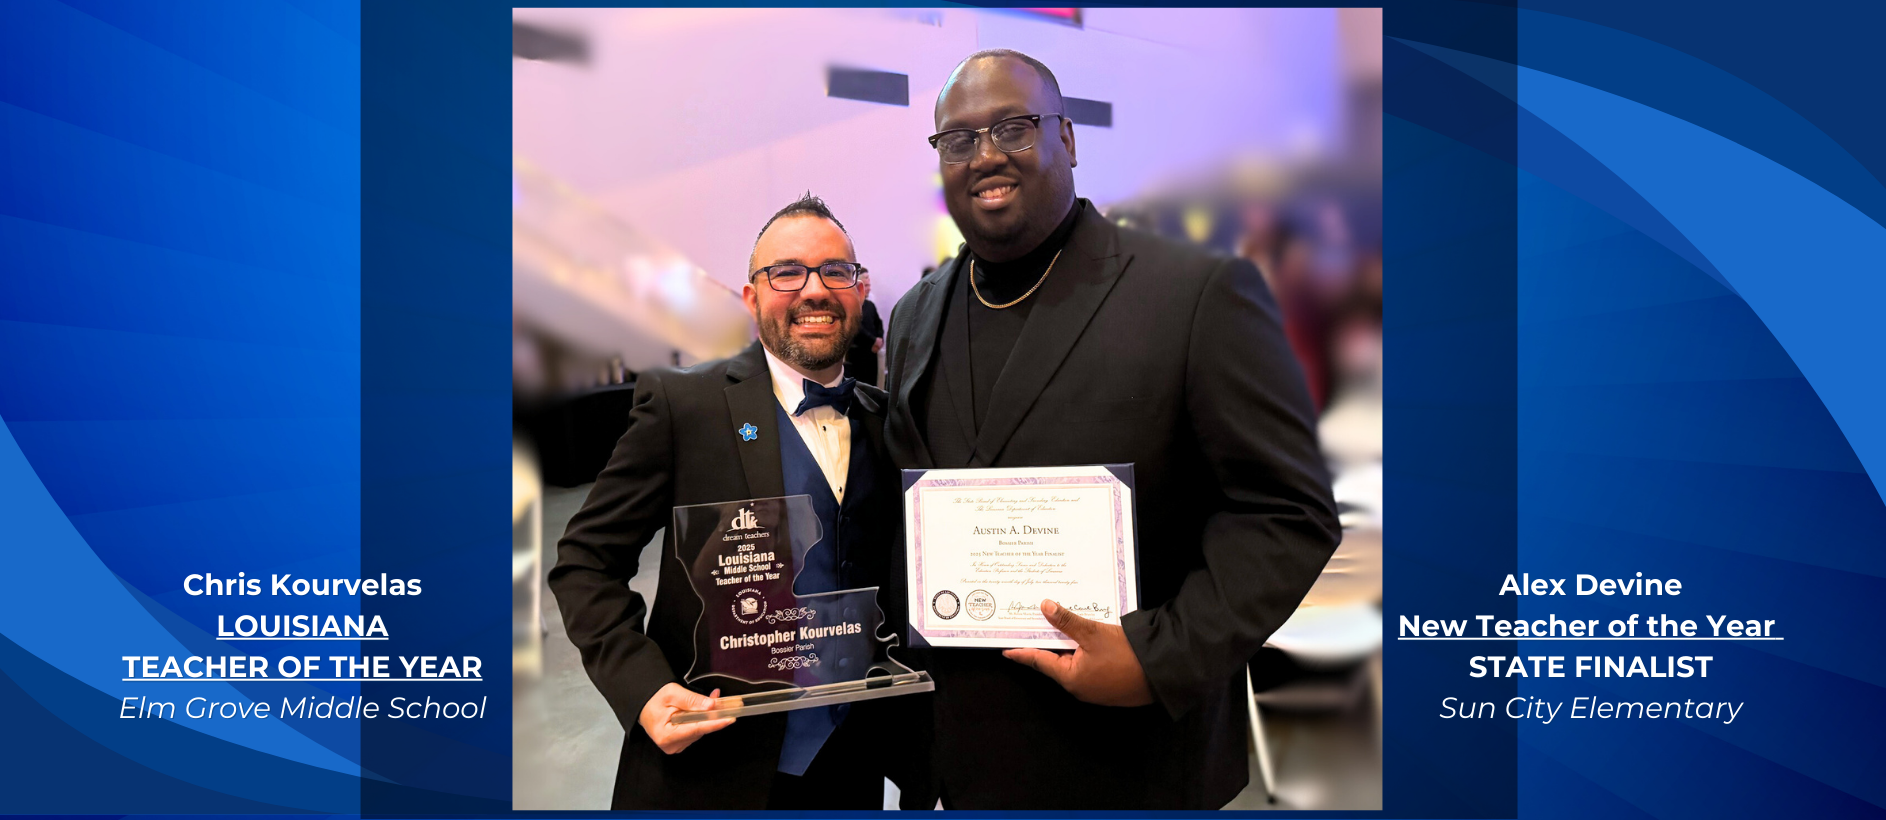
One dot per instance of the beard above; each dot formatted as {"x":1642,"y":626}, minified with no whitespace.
{"x":1003,"y":236}
{"x":814,"y":354}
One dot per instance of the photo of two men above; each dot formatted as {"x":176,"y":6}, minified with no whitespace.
{"x":1134,"y":238}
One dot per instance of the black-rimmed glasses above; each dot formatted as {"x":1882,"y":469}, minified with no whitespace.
{"x":788,"y":278}
{"x":1012,"y":134}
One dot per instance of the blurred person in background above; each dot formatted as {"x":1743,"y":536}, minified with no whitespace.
{"x":1261,"y":239}
{"x":861,"y":362}
{"x":1356,"y":338}
{"x":1351,"y":427}
{"x":1055,"y":337}
{"x":778,"y":419}
{"x":1306,"y":321}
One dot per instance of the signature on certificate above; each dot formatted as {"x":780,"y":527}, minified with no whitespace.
{"x":1091,"y":611}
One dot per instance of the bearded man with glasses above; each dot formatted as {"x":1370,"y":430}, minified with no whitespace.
{"x":778,"y":419}
{"x":1056,"y":338}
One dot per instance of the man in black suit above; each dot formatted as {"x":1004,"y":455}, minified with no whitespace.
{"x":1057,"y":338}
{"x":778,"y":419}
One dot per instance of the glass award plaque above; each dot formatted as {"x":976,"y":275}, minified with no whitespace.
{"x":780,"y":649}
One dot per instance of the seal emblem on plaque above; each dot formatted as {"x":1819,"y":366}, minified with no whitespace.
{"x":749,"y":606}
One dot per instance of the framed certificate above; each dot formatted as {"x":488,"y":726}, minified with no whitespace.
{"x":986,"y":546}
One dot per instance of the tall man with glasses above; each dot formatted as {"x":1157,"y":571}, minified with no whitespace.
{"x":778,"y":419}
{"x":1057,"y":338}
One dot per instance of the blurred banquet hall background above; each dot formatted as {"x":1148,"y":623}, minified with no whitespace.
{"x":651,"y":144}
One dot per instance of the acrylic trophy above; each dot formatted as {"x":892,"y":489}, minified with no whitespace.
{"x":774,"y":648}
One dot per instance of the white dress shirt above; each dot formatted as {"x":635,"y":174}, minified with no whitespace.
{"x":826,"y":432}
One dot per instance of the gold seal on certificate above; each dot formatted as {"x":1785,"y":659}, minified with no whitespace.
{"x":986,"y":546}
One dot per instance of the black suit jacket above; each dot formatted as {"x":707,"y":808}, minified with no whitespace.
{"x":682,"y":448}
{"x":861,"y":362}
{"x":1145,"y":351}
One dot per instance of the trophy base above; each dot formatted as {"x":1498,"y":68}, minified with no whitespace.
{"x":827,"y":694}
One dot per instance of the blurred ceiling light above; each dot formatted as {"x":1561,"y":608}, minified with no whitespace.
{"x":1199,"y":221}
{"x":538,"y":43}
{"x":1259,"y":176}
{"x":1071,"y":17}
{"x":1089,"y":112}
{"x":867,"y":85}
{"x":582,"y":275}
{"x":927,"y":17}
{"x":1306,"y":140}
{"x":949,"y":238}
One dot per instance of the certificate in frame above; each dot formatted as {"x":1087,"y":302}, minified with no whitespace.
{"x":985,"y":546}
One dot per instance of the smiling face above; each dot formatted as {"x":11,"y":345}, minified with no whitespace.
{"x":811,"y":328}
{"x":1006,"y":204}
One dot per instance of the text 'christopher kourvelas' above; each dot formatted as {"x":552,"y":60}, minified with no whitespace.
{"x":1687,"y":696}
{"x":212,"y":699}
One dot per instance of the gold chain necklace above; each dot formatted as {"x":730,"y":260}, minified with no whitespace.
{"x":1018,"y":300}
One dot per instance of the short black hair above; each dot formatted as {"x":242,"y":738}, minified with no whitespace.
{"x":1047,"y":77}
{"x":805,"y":205}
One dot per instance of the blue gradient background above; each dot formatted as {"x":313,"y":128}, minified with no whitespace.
{"x":254,"y":314}
{"x":1698,"y":395}
{"x":179,"y":218}
{"x":184,"y":325}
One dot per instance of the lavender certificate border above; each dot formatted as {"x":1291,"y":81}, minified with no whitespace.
{"x":1119,"y":546}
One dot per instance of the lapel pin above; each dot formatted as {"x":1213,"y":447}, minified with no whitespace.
{"x":748,"y":432}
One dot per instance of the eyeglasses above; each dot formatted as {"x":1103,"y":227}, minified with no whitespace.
{"x":1010,"y":135}
{"x":789,"y":278}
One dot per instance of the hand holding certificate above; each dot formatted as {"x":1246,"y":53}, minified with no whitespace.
{"x":988,"y":546}
{"x":1103,"y":671}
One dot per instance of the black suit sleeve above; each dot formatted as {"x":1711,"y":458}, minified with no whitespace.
{"x":632,"y":500}
{"x":1275,"y":523}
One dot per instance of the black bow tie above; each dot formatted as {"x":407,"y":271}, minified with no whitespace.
{"x":817,"y":395}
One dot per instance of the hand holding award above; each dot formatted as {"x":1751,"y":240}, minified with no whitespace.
{"x":657,"y":718}
{"x":779,"y":649}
